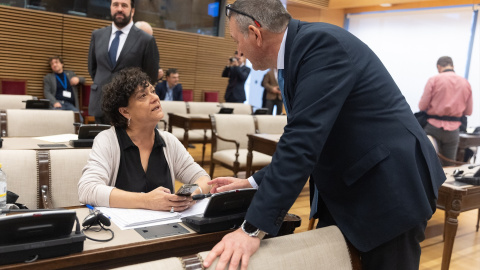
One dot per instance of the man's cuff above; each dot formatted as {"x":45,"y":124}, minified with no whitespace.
{"x":252,"y":182}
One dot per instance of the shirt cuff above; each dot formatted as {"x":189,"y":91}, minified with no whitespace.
{"x":252,"y":182}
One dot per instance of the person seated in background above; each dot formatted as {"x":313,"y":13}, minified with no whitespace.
{"x":170,"y":89}
{"x":132,"y":164}
{"x":61,"y":86}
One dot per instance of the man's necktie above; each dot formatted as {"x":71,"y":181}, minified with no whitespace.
{"x":281,"y":84}
{"x":114,"y":48}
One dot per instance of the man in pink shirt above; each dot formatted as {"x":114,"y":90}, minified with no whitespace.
{"x":446,"y":98}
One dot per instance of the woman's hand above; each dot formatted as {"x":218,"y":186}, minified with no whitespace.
{"x":161,"y":199}
{"x":222,"y":184}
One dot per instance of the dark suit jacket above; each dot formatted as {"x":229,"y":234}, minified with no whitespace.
{"x":140,"y":50}
{"x":351,"y":130}
{"x":50,"y":87}
{"x":236,"y":83}
{"x":161,"y":90}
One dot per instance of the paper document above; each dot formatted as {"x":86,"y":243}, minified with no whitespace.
{"x":135,"y":218}
{"x":58,"y":138}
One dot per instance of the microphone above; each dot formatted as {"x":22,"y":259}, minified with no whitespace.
{"x":473,"y":166}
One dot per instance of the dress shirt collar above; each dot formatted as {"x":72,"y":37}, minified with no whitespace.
{"x":281,"y":52}
{"x":125,"y":30}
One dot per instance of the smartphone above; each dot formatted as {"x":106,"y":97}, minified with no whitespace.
{"x":187,"y":190}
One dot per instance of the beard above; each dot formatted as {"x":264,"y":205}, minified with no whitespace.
{"x":122,"y":22}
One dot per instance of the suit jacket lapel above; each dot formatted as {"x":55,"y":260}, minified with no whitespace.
{"x":291,"y":34}
{"x":132,"y":38}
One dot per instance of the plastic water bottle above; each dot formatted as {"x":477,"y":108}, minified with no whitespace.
{"x":3,"y":190}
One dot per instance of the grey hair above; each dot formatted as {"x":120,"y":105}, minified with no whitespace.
{"x":271,"y":14}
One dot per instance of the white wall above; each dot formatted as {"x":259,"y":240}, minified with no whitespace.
{"x":410,"y":42}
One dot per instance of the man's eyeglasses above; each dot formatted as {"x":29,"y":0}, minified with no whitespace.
{"x":229,"y":9}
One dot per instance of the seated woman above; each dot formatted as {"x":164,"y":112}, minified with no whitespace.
{"x":132,"y":164}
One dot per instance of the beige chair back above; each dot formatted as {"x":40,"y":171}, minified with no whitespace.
{"x":203,"y":107}
{"x":238,"y":108}
{"x":13,"y":101}
{"x":179,"y":107}
{"x":66,"y":167}
{"x":32,"y":123}
{"x":20,"y":166}
{"x":232,"y":127}
{"x":271,"y":124}
{"x":320,"y":249}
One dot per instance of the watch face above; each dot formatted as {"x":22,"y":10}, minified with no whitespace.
{"x":249,"y":228}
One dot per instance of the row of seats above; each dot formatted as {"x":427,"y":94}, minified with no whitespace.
{"x":44,"y":178}
{"x":230,"y":141}
{"x":34,"y":123}
{"x":13,"y":101}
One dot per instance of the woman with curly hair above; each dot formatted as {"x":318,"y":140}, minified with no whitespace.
{"x":132,"y":164}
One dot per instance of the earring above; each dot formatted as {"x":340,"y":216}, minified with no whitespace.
{"x":128,"y":124}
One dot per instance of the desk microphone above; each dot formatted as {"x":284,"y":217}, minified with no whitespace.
{"x":6,"y":211}
{"x":473,"y":166}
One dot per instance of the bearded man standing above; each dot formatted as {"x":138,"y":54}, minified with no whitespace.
{"x":116,"y":47}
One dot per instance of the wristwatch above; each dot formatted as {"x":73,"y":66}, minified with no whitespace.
{"x":252,"y":231}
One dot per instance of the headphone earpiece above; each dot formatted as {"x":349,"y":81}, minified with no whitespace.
{"x":96,"y":218}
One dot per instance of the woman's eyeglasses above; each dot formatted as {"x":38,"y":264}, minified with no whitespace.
{"x":229,"y":9}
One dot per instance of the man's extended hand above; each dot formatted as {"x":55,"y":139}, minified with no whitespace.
{"x":235,"y":247}
{"x":221,"y":184}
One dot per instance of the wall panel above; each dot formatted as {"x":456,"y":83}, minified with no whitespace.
{"x":30,"y":37}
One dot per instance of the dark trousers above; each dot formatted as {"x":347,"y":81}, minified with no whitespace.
{"x":274,"y":102}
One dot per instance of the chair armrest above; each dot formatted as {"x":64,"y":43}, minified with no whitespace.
{"x":237,"y":145}
{"x":45,"y":200}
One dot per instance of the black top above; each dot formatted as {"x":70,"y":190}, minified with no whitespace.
{"x":131,"y":176}
{"x":63,"y":84}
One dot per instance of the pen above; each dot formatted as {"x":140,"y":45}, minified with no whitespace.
{"x":201,"y":196}
{"x":91,"y":208}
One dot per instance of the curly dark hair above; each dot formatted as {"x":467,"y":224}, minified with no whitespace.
{"x":118,"y":91}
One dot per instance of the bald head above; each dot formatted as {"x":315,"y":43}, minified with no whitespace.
{"x":145,"y":27}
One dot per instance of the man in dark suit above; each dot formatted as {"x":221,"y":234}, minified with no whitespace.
{"x":349,"y":129}
{"x":116,"y":47}
{"x":237,"y":74}
{"x":170,"y":89}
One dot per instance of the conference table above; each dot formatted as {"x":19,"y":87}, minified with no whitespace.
{"x":455,"y":197}
{"x":191,"y":122}
{"x":128,"y":247}
{"x":38,"y":143}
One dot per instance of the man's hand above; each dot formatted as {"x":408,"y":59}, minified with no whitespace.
{"x":74,"y":80}
{"x":222,"y":184}
{"x":235,"y":247}
{"x":276,"y":90}
{"x":57,"y":105}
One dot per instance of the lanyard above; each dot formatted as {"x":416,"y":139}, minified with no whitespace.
{"x":64,"y":82}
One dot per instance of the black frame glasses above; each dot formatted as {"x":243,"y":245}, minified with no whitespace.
{"x":229,"y":8}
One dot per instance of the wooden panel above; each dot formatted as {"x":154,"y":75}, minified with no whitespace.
{"x":30,"y":37}
{"x":365,"y":3}
{"x":412,"y":5}
{"x":26,"y":43}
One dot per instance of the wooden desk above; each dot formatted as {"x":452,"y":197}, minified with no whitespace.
{"x":263,"y":143}
{"x":189,"y":122}
{"x":454,"y":198}
{"x":30,"y":143}
{"x":128,"y":247}
{"x":466,"y":140}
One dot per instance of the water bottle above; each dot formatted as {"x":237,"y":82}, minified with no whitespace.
{"x":3,"y":190}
